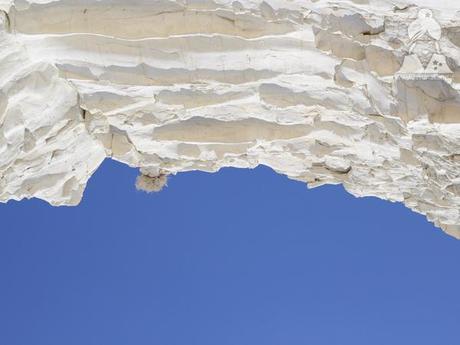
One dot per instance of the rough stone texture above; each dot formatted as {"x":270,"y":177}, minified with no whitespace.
{"x":317,"y":90}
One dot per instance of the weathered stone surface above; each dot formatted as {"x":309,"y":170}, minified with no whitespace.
{"x":362,"y":93}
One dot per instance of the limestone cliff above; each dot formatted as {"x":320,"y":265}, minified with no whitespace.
{"x":362,"y":93}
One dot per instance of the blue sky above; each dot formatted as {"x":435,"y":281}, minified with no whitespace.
{"x":241,"y":257}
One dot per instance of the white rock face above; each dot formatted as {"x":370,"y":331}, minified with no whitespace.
{"x":362,"y":93}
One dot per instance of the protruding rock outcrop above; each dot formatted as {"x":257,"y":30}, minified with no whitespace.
{"x":366,"y":94}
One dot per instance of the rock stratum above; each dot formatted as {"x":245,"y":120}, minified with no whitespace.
{"x":364,"y":93}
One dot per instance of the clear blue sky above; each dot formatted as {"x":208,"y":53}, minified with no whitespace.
{"x":236,"y":258}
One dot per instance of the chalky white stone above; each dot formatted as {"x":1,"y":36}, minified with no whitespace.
{"x":325,"y":92}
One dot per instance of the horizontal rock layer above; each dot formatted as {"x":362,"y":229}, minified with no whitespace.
{"x":317,"y":90}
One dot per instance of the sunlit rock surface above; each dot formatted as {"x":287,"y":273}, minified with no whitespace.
{"x":362,"y":93}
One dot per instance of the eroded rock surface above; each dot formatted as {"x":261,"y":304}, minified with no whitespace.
{"x":325,"y":92}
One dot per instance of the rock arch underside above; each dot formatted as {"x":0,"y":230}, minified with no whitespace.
{"x":317,"y":90}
